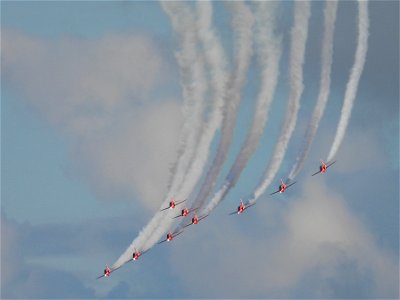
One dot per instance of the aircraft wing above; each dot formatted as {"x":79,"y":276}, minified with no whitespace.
{"x":101,"y":276}
{"x":193,"y":209}
{"x":203,"y":217}
{"x":164,"y":208}
{"x":162,"y":241}
{"x":291,"y":184}
{"x":330,"y":164}
{"x":177,"y":233}
{"x":248,"y":206}
{"x":131,"y":259}
{"x":274,"y":193}
{"x":188,"y":225}
{"x":177,"y":203}
{"x":316,"y":173}
{"x":233,"y":213}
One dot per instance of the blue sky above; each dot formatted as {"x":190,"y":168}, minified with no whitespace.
{"x":91,"y":115}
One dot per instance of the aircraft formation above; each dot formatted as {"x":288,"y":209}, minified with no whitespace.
{"x":208,"y":70}
{"x":195,"y":219}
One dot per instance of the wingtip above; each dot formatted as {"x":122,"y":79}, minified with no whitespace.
{"x":178,"y":233}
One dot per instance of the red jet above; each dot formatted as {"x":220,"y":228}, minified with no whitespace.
{"x":241,"y":208}
{"x":172,"y":204}
{"x":137,"y":254}
{"x":323,"y":167}
{"x":170,"y":236}
{"x":195,"y":220}
{"x":107,"y":272}
{"x":282,"y":187}
{"x":185,"y":212}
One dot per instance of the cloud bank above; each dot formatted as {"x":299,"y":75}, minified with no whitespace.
{"x":102,"y":95}
{"x":317,"y":238}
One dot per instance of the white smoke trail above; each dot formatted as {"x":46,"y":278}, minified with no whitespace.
{"x":269,"y":52}
{"x":242,"y":22}
{"x":356,"y":71}
{"x":217,"y":65}
{"x":194,"y":88}
{"x":298,"y":43}
{"x":326,"y":58}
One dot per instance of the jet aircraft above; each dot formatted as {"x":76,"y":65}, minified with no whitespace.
{"x":323,"y":167}
{"x":172,"y":204}
{"x":171,"y":236}
{"x":241,"y":208}
{"x":282,"y":187}
{"x":195,"y":220}
{"x":185,"y":212}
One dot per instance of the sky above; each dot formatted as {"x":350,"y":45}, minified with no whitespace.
{"x":91,"y":116}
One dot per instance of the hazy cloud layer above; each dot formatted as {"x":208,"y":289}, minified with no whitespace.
{"x":22,"y":280}
{"x":328,"y":238}
{"x":66,"y":267}
{"x":101,"y":94}
{"x":317,"y":237}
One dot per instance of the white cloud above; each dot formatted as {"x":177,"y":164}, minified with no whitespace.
{"x":74,"y":79}
{"x":11,"y":264}
{"x":134,"y":156}
{"x":21,"y":279}
{"x":320,"y":230}
{"x":100,"y":94}
{"x":361,"y":151}
{"x":318,"y":234}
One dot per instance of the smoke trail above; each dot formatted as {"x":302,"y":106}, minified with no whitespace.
{"x":269,"y":52}
{"x":352,"y":84}
{"x":194,"y":88}
{"x":192,"y":71}
{"x":242,"y":22}
{"x":326,"y":58}
{"x":298,"y":42}
{"x":216,"y":64}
